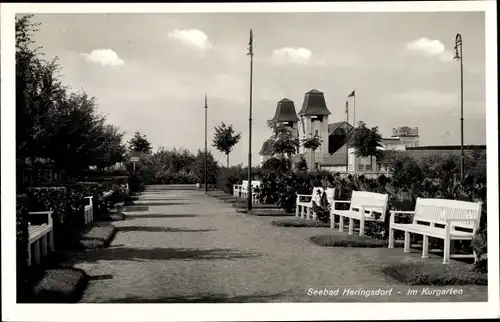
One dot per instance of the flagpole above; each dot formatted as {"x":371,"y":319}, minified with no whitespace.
{"x":354,"y":110}
{"x":206,"y":156}
{"x":249,"y":189}
{"x":347,"y":139}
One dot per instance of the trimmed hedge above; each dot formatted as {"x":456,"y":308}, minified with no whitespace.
{"x":426,"y":273}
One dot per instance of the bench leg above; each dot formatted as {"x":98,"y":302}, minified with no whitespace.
{"x":51,"y":241}
{"x":314,"y":215}
{"x":332,"y":221}
{"x":391,"y":238}
{"x":446,"y":251}
{"x":351,"y":226}
{"x":361,"y":227}
{"x":425,"y":247}
{"x":44,"y":246}
{"x":29,"y":254}
{"x":407,"y":242}
{"x":37,"y":251}
{"x":297,"y":210}
{"x":341,"y":224}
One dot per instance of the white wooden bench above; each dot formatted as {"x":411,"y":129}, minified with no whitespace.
{"x":304,"y":208}
{"x":364,"y":206}
{"x":88,"y":211}
{"x":244,"y":190}
{"x":41,"y":238}
{"x":237,"y":188}
{"x":445,"y":219}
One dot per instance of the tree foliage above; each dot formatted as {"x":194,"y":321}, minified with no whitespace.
{"x":366,"y":141}
{"x":51,"y":121}
{"x":225,"y":139}
{"x":140,"y":143}
{"x":283,"y":140}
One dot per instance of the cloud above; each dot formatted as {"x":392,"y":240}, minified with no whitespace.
{"x":426,"y":99}
{"x":105,"y":57}
{"x":192,"y":37}
{"x":300,"y":56}
{"x":430,"y":48}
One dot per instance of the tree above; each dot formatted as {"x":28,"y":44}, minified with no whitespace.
{"x":366,"y":141}
{"x":225,"y":139}
{"x":283,"y":140}
{"x":312,"y":143}
{"x":199,"y":167}
{"x":139,"y":143}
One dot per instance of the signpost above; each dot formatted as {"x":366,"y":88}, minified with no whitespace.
{"x":134,"y":158}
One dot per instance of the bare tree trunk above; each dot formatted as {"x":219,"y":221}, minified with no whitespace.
{"x":227,"y":160}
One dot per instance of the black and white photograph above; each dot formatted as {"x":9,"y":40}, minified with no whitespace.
{"x":249,"y":161}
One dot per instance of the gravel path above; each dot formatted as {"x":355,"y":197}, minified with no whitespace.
{"x":184,"y":246}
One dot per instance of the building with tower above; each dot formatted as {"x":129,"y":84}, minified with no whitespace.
{"x":314,"y":119}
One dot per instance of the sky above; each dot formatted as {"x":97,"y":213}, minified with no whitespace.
{"x":150,"y":72}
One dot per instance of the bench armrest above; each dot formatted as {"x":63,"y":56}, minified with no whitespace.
{"x":46,"y":212}
{"x":402,"y":212}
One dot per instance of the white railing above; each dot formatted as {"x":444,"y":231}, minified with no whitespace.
{"x":88,"y":211}
{"x":41,"y":238}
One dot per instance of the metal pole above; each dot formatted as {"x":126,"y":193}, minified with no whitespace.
{"x":462,"y":171}
{"x":206,"y":152}
{"x":249,"y":189}
{"x":459,"y":55}
{"x":347,"y":139}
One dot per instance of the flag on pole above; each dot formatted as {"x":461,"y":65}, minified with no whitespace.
{"x":346,"y":107}
{"x":250,"y":44}
{"x":352,"y":94}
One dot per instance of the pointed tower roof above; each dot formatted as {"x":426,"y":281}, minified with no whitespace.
{"x":314,"y":104}
{"x":285,"y":111}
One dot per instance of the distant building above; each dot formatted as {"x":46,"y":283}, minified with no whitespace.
{"x":313,"y":119}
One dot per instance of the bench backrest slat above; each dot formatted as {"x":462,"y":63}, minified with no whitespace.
{"x":330,"y":194}
{"x":438,"y":210}
{"x":366,"y":198}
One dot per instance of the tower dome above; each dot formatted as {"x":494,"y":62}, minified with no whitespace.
{"x":285,"y":111}
{"x":314,"y":104}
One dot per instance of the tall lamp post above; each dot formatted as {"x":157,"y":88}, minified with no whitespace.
{"x":206,"y":152}
{"x":459,"y":56}
{"x":249,"y":195}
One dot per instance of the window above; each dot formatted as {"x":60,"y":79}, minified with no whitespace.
{"x":361,"y":167}
{"x":368,"y":167}
{"x":316,"y":132}
{"x":316,"y":165}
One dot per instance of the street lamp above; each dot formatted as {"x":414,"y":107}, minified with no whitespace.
{"x":459,"y":56}
{"x":249,"y":189}
{"x":206,"y":152}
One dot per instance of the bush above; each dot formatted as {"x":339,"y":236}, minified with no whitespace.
{"x":22,"y":247}
{"x":227,"y":177}
{"x":136,"y":183}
